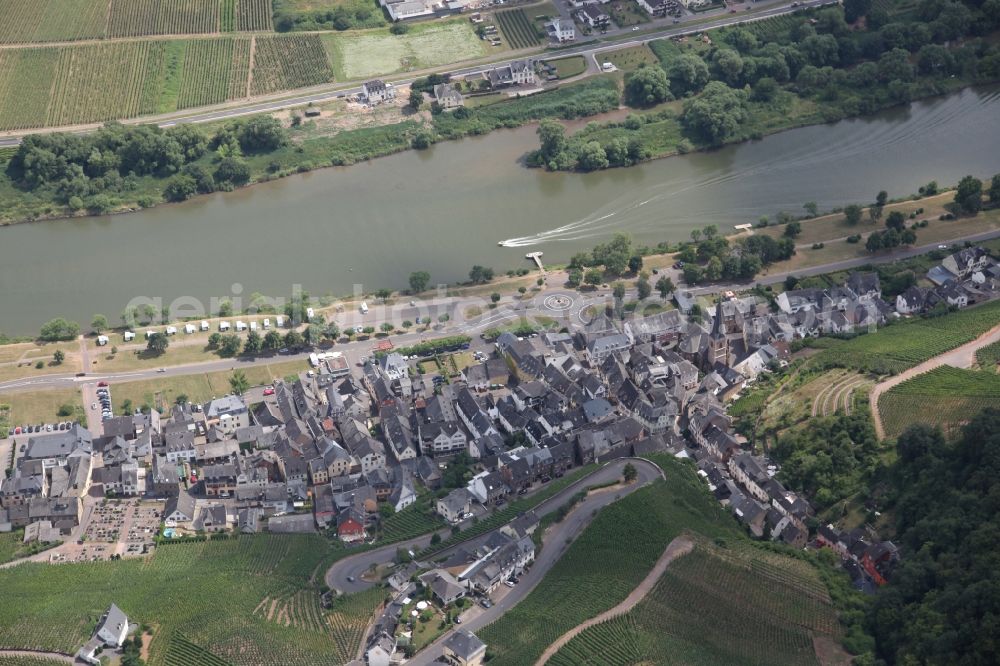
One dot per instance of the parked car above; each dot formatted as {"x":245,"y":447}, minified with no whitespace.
{"x":509,"y":583}
{"x":102,"y":383}
{"x":486,"y":603}
{"x":269,"y":391}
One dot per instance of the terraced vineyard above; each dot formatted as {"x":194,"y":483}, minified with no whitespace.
{"x":25,"y":21}
{"x":632,"y":533}
{"x":282,"y":62}
{"x":416,"y":519}
{"x":196,"y":593}
{"x":772,"y":606}
{"x":518,"y":28}
{"x":768,"y":29}
{"x":904,"y":345}
{"x":6,"y":660}
{"x":137,"y":18}
{"x":945,"y":397}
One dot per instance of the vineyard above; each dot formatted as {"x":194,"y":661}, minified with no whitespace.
{"x":7,"y":660}
{"x":198,"y":594}
{"x":282,"y":62}
{"x":773,"y":28}
{"x":989,"y":356}
{"x":772,"y":606}
{"x":954,"y":394}
{"x":215,"y":70}
{"x":518,"y":28}
{"x":416,"y":519}
{"x":254,"y":15}
{"x":632,"y":533}
{"x":68,"y":85}
{"x":26,"y":21}
{"x":183,"y":652}
{"x":904,"y":345}
{"x":138,"y":18}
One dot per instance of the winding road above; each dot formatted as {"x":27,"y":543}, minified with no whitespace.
{"x":557,"y":539}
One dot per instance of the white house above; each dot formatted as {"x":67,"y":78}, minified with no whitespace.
{"x":102,"y":340}
{"x":561,"y":30}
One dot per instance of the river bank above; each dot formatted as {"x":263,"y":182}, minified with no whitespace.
{"x":445,"y":209}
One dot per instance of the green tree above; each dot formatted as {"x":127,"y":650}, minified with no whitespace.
{"x":630,"y":473}
{"x":272,"y":340}
{"x":180,"y":188}
{"x":643,"y":288}
{"x":293,"y":339}
{"x":594,"y":277}
{"x":969,"y":195}
{"x":480,"y":274}
{"x":387,"y":327}
{"x":214,"y":340}
{"x":59,"y":329}
{"x":59,"y":356}
{"x":416,"y":99}
{"x":238,"y":382}
{"x":688,"y":73}
{"x":852,"y":213}
{"x":634,"y":264}
{"x":157,"y":343}
{"x":855,"y":9}
{"x":254,"y":343}
{"x":665,"y":286}
{"x":647,"y":86}
{"x":793,"y":229}
{"x":614,"y":255}
{"x":895,"y":220}
{"x":230,"y":345}
{"x":716,"y":115}
{"x":994,"y":191}
{"x":233,"y":171}
{"x":495,"y":297}
{"x":811,"y":208}
{"x":383,"y":294}
{"x":552,"y":135}
{"x":99,"y":323}
{"x":592,"y":157}
{"x":574,"y":277}
{"x":419,"y":281}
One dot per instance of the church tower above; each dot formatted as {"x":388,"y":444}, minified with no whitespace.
{"x":718,"y":343}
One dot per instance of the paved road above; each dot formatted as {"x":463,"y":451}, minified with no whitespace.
{"x":959,"y":357}
{"x":556,"y":542}
{"x":333,"y":92}
{"x":353,"y":567}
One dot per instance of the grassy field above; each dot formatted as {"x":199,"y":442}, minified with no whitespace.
{"x":628,"y":59}
{"x":900,"y":346}
{"x":363,"y":54}
{"x":160,"y":393}
{"x":945,"y":397}
{"x":196,"y":594}
{"x":631,"y":533}
{"x":627,"y":13}
{"x":30,"y":407}
{"x":756,"y":592}
{"x":571,"y":66}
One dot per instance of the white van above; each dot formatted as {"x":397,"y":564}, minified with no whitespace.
{"x":364,"y":307}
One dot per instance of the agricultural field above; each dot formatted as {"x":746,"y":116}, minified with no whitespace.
{"x":988,"y":357}
{"x":632,"y":533}
{"x":55,"y":607}
{"x":903,"y":345}
{"x":28,"y":21}
{"x":282,"y":62}
{"x":369,"y":53}
{"x":138,"y":18}
{"x":945,"y":397}
{"x":518,"y":29}
{"x":215,"y":70}
{"x":254,"y":15}
{"x":760,"y":594}
{"x":8,"y":660}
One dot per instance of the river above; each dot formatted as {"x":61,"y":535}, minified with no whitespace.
{"x":445,"y":209}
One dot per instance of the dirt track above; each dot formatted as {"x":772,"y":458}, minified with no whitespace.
{"x":676,"y":548}
{"x":959,"y":357}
